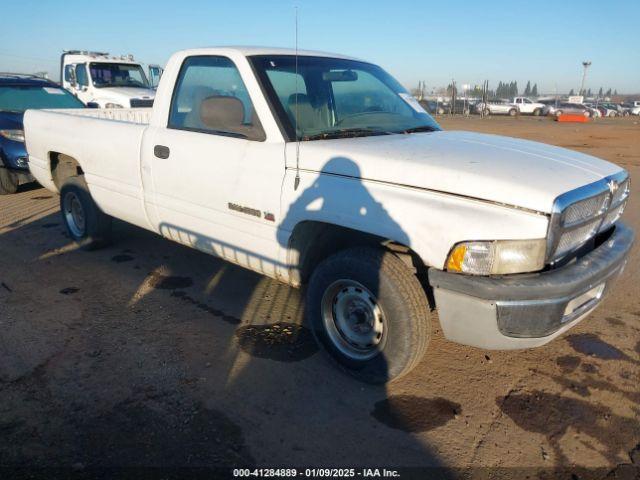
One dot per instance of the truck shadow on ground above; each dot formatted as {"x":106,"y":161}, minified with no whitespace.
{"x":166,"y":357}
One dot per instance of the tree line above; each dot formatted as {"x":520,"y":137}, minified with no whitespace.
{"x":601,"y":93}
{"x":510,"y":90}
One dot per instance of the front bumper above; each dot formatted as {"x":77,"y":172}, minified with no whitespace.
{"x":527,"y":310}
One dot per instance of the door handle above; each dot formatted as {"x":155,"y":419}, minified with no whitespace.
{"x":161,"y":151}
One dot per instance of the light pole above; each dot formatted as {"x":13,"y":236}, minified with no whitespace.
{"x":586,"y":65}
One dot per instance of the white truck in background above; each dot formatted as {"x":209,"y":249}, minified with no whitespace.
{"x":101,"y":80}
{"x":320,"y":169}
{"x":527,"y":106}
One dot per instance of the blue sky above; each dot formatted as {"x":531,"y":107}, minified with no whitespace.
{"x":541,"y":41}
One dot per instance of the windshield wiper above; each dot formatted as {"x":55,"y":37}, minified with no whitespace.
{"x":346,"y":133}
{"x":423,"y":128}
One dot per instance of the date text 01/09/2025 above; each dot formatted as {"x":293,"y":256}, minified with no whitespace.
{"x":316,"y":472}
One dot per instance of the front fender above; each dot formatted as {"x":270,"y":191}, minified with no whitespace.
{"x":428,"y":222}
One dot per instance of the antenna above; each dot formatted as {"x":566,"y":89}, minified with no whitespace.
{"x":296,"y":182}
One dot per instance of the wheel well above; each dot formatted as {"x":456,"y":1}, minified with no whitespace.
{"x":62,"y":167}
{"x":311,"y":242}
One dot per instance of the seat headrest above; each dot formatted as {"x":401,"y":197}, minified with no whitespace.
{"x":222,"y":112}
{"x":302,"y":98}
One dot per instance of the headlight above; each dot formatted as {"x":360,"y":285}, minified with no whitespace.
{"x":15,"y":135}
{"x":113,"y":105}
{"x":497,"y":257}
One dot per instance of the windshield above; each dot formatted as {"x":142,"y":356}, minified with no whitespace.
{"x":117,"y":75}
{"x":331,"y":98}
{"x":18,"y":98}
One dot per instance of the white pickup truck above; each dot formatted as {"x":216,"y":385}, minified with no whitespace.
{"x":528,"y":107}
{"x":321,"y":170}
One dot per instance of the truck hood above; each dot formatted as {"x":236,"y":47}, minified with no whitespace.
{"x":124,"y":93}
{"x":506,"y":170}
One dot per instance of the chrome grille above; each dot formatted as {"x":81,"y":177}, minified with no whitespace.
{"x":580,"y":214}
{"x":585,"y":209}
{"x":141,"y":102}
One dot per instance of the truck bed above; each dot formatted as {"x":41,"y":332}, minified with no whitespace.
{"x":105,"y":143}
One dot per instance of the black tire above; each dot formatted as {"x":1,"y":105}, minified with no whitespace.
{"x":95,"y":229}
{"x":558,"y":113}
{"x":8,"y":182}
{"x":513,"y":112}
{"x":537,"y":112}
{"x":402,"y":303}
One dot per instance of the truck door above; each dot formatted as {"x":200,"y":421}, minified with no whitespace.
{"x":216,"y":182}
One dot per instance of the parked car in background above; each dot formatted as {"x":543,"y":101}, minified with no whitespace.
{"x":105,"y":81}
{"x":550,"y":106}
{"x":572,"y":109}
{"x":527,"y":106}
{"x":440,"y":108}
{"x":624,"y":109}
{"x":607,"y":110}
{"x":595,"y":111}
{"x":497,"y":107}
{"x":322,"y":170}
{"x":17,"y":94}
{"x":434,"y":107}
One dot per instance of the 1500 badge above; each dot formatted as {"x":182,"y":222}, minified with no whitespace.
{"x":251,"y":211}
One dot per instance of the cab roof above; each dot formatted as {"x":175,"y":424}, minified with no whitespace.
{"x":249,"y":51}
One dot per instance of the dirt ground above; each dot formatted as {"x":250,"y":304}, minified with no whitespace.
{"x":151,"y":354}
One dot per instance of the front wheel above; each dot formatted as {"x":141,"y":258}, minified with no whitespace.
{"x":8,"y":182}
{"x":369,"y":313}
{"x":85,"y":222}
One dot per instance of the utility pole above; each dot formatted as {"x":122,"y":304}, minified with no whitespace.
{"x":585,"y":64}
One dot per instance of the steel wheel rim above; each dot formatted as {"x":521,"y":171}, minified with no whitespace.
{"x":354,"y":320}
{"x":74,"y":214}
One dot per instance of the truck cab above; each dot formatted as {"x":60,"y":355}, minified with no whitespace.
{"x":528,"y":106}
{"x":100,"y":80}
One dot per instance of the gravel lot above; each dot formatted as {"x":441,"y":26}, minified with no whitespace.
{"x":151,"y":354}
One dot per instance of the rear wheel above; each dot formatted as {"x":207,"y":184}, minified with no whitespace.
{"x":85,"y":222}
{"x":369,"y":313}
{"x":8,"y":182}
{"x":537,"y":112}
{"x":513,"y":112}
